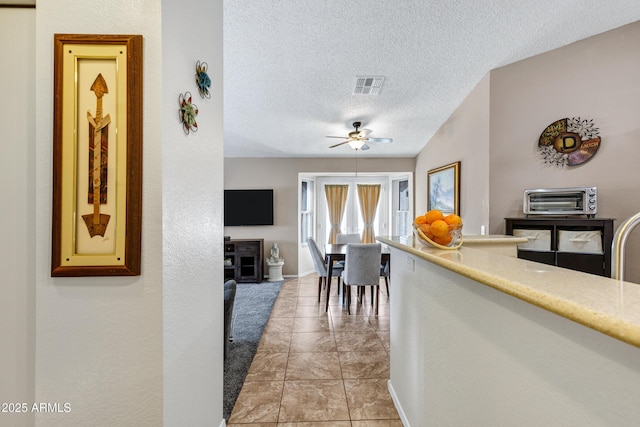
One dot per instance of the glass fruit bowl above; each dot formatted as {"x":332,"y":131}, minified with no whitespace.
{"x":454,"y":243}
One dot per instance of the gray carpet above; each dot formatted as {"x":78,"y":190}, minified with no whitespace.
{"x":251,"y":310}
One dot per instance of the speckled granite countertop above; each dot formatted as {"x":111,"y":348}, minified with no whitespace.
{"x":491,"y":239}
{"x":606,"y":305}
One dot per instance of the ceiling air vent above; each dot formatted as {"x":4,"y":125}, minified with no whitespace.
{"x":368,"y":85}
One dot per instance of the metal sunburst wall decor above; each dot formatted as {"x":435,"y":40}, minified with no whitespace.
{"x":188,"y":113}
{"x":568,"y":142}
{"x":203,"y":81}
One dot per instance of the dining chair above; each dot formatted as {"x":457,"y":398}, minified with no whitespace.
{"x":322,"y":270}
{"x":385,"y":271}
{"x":361,"y":268}
{"x":347,"y":238}
{"x":342,"y":239}
{"x":355,"y":238}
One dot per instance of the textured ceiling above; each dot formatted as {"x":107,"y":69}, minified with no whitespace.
{"x":290,"y":66}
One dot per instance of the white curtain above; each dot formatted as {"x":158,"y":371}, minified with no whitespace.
{"x":336,"y":201}
{"x":369,"y":195}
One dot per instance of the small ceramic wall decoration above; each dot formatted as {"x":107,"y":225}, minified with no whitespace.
{"x":188,"y":113}
{"x":568,"y":142}
{"x":202,"y":79}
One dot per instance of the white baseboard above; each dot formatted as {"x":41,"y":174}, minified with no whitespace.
{"x":294,"y":276}
{"x":307,"y":273}
{"x":284,"y":276}
{"x":396,"y":402}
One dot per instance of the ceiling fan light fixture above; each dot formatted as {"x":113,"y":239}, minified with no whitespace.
{"x":358,"y":139}
{"x":356,"y":144}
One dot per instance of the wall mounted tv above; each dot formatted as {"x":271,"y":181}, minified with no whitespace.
{"x":248,"y":207}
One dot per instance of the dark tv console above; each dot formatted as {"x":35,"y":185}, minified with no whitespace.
{"x":246,"y":260}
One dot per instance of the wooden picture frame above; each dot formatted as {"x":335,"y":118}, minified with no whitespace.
{"x":18,"y":4}
{"x":443,"y":189}
{"x":97,"y":120}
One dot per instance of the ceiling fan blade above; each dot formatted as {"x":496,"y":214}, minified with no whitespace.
{"x":365,"y":132}
{"x":341,"y":137}
{"x":383,"y":140}
{"x":339,"y":144}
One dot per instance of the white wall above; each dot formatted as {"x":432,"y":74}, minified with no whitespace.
{"x":17,"y":204}
{"x":465,"y":354}
{"x":99,"y":339}
{"x":101,"y":344}
{"x":192,"y":176}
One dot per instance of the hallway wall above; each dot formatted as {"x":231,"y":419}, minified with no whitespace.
{"x":17,"y":204}
{"x":99,"y":339}
{"x":192,"y":239}
{"x":137,"y":351}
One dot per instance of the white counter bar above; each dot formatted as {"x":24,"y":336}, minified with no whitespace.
{"x":479,"y":339}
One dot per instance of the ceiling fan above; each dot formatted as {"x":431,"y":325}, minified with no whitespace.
{"x":358,"y":139}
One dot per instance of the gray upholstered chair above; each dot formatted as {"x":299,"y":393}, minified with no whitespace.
{"x":342,"y":239}
{"x":347,"y":238}
{"x":385,"y":271}
{"x":362,"y":268}
{"x":355,"y":238}
{"x":322,"y":270}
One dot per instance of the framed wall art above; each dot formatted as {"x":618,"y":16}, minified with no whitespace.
{"x":97,"y":155}
{"x":569,"y":142}
{"x":443,"y":188}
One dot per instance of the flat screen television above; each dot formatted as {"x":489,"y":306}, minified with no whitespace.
{"x":248,"y":207}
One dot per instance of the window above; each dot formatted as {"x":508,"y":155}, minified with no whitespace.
{"x":306,"y":210}
{"x":401,"y":207}
{"x":352,"y":220}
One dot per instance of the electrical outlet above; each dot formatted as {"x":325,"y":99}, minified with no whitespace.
{"x":411,"y":264}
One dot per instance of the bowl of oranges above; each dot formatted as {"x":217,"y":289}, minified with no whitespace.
{"x":439,"y":230}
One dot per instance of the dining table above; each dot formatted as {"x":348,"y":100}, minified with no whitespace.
{"x":334,"y":252}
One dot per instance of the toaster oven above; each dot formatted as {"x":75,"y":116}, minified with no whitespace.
{"x":561,"y":201}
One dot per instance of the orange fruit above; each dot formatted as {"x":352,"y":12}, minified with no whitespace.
{"x":453,"y":220}
{"x":424,"y":228}
{"x":439,"y":228}
{"x":433,"y":215}
{"x":443,"y":240}
{"x":420,"y":220}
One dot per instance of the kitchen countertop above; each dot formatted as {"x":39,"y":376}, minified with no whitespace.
{"x":491,"y":239}
{"x":498,"y":244}
{"x":603,"y":304}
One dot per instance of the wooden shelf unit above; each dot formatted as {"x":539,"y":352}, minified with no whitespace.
{"x":590,"y":262}
{"x":247,"y":259}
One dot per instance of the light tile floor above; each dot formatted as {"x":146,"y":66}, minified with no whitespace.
{"x":315,"y":368}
